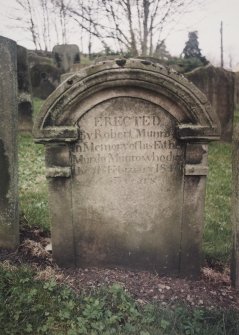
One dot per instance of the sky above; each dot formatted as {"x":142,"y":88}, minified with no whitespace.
{"x":206,"y":20}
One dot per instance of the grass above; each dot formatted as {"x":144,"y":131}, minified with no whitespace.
{"x":37,"y":103}
{"x":217,"y":241}
{"x":32,"y":183}
{"x":32,"y":306}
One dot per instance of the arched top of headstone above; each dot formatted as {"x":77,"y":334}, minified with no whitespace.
{"x":136,"y":78}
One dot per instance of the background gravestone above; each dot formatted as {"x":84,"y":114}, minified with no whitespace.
{"x":126,"y":157}
{"x":25,"y":108}
{"x":44,"y":78}
{"x":237,"y":87}
{"x":65,"y":55}
{"x":9,"y":234}
{"x":39,"y":57}
{"x":219,"y":87}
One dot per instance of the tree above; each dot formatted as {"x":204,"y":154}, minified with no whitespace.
{"x":192,"y":50}
{"x":161,"y":52}
{"x":29,"y":22}
{"x":135,"y":27}
{"x":132,"y":26}
{"x":45,"y":20}
{"x":192,"y":56}
{"x":60,"y":10}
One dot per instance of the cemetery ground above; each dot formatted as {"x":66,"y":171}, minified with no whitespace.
{"x":37,"y":297}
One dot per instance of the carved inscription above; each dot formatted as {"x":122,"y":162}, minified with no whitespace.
{"x":127,"y":183}
{"x":120,"y":144}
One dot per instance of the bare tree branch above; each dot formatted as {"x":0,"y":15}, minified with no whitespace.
{"x":133,"y":26}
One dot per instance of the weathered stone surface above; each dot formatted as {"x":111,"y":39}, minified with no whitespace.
{"x":65,"y":76}
{"x":74,"y":68}
{"x":235,"y":207}
{"x":9,"y":232}
{"x":77,"y":67}
{"x":25,"y":107}
{"x":128,"y":149}
{"x":44,"y":78}
{"x":25,"y":113}
{"x":65,"y":55}
{"x":23,"y":76}
{"x":39,"y":57}
{"x":219,"y":86}
{"x":237,"y":87}
{"x":126,"y":156}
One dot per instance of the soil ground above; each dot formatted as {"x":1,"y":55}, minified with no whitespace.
{"x":213,"y":290}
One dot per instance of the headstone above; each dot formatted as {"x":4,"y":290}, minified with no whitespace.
{"x":9,"y":234}
{"x":25,"y":108}
{"x":235,"y":207}
{"x":126,"y":156}
{"x":44,"y":78}
{"x":65,"y":55}
{"x":219,"y":87}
